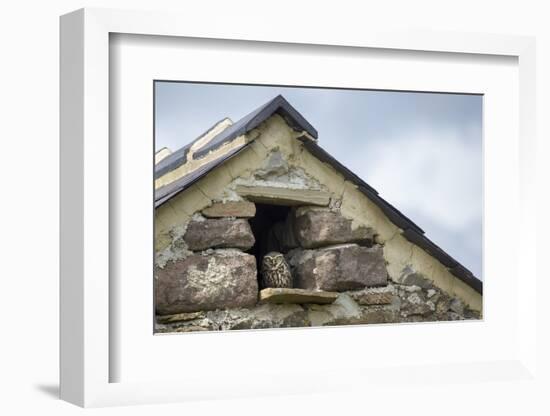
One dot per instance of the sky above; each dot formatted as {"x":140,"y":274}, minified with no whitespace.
{"x":422,"y":152}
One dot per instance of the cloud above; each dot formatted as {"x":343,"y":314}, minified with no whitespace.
{"x":435,"y":172}
{"x":434,"y":176}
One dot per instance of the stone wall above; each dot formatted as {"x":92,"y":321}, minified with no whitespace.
{"x":394,"y":303}
{"x":206,"y":267}
{"x":347,"y":247}
{"x":205,"y":279}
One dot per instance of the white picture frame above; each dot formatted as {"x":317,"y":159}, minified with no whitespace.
{"x":86,"y":356}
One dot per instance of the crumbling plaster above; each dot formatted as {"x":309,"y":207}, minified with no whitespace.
{"x":276,"y":135}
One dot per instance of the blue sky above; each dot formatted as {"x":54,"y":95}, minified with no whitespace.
{"x":421,"y":151}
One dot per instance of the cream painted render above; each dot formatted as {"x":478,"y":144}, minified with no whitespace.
{"x":193,"y":164}
{"x":275,"y":135}
{"x":208,"y":136}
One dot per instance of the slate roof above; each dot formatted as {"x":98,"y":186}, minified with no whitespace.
{"x":279,"y":105}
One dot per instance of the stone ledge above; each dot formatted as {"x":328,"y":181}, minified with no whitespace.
{"x":299,"y":296}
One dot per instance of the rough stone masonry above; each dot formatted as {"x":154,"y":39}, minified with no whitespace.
{"x":206,"y":279}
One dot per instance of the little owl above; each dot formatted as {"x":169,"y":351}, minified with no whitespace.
{"x":275,"y":271}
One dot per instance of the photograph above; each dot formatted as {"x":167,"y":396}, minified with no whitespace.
{"x":283,"y":206}
{"x":230,"y":208}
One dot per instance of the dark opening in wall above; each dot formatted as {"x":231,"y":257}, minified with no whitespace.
{"x":269,"y":226}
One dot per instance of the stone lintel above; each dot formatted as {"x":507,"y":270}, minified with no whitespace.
{"x":283,"y":196}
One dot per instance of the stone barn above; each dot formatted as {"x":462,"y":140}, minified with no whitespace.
{"x":263,"y":185}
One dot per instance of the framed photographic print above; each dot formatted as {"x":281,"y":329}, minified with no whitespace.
{"x":319,"y":215}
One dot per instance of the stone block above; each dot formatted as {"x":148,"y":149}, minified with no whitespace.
{"x":374,"y":296}
{"x":380,"y":315}
{"x":412,"y":278}
{"x":239,"y":209}
{"x":457,"y":306}
{"x":317,"y":227}
{"x":338,"y":268}
{"x":415,"y":304}
{"x":200,"y":282}
{"x":218,"y":233}
{"x":263,"y":315}
{"x":299,"y":296}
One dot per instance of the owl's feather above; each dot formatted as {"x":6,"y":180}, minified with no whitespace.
{"x":275,"y":271}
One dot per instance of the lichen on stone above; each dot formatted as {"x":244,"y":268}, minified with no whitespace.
{"x":176,"y":250}
{"x":197,"y":217}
